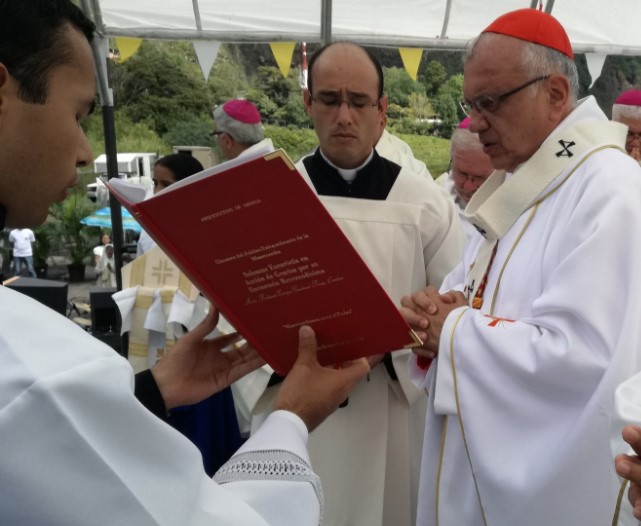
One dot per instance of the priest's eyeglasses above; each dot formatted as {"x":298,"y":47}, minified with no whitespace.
{"x":476,"y":180}
{"x":486,"y":103}
{"x":331,"y":101}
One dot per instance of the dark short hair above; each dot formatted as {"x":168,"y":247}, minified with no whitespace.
{"x":33,"y":42}
{"x":373,"y":59}
{"x":181,"y":165}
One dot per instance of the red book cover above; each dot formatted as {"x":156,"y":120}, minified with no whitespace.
{"x":256,"y":241}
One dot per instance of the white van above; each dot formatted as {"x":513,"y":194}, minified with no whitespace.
{"x":135,"y":167}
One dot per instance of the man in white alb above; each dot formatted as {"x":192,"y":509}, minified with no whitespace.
{"x":542,"y":319}
{"x":407,"y":231}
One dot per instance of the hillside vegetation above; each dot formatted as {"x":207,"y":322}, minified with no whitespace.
{"x":162,"y":98}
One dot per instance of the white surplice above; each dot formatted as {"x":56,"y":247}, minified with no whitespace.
{"x":517,"y":429}
{"x":398,"y":151}
{"x":79,"y":449}
{"x":367,"y":454}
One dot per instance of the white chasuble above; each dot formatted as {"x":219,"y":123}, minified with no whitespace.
{"x":517,"y":428}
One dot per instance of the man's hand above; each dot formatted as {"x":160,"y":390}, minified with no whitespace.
{"x":312,"y":391}
{"x":629,"y":467}
{"x":196,"y":368}
{"x":425,"y":311}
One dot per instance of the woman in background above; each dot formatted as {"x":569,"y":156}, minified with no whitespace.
{"x":106,"y":268}
{"x":167,"y":171}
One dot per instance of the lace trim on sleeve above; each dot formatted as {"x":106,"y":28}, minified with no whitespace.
{"x":269,"y":465}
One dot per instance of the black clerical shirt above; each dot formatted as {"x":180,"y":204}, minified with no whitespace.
{"x":373,"y":181}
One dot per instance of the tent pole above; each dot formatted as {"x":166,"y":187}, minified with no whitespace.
{"x":326,"y":22}
{"x":533,"y":4}
{"x":446,"y":19}
{"x":549,"y":6}
{"x":100,"y":50}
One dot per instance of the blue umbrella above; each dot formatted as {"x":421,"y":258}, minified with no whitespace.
{"x":102,"y":218}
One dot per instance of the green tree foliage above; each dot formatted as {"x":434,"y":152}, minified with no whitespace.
{"x":433,"y":77}
{"x":399,"y":86}
{"x":74,"y":237}
{"x":294,"y":141}
{"x":196,"y":132}
{"x":276,"y":88}
{"x":447,"y":104}
{"x":130,"y":136}
{"x":227,"y":79}
{"x":293,"y":113}
{"x":161,"y":84}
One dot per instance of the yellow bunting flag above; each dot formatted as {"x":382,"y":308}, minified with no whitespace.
{"x":127,"y":47}
{"x":283,"y":52}
{"x":411,"y":58}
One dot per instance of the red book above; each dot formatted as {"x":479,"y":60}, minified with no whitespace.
{"x":257,"y":242}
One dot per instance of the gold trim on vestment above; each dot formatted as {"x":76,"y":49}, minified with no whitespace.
{"x":535,"y":207}
{"x":617,"y":509}
{"x":440,"y":466}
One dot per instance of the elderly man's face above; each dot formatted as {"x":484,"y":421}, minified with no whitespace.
{"x":42,"y":144}
{"x":470,"y":169}
{"x":346,"y":134}
{"x":633,"y":140}
{"x":511,"y":134}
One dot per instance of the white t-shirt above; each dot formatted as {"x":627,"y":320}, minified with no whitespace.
{"x":22,"y":239}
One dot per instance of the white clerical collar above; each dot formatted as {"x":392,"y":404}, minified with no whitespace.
{"x":348,"y":174}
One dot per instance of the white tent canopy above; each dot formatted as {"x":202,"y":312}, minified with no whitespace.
{"x":600,"y":26}
{"x":595,"y":27}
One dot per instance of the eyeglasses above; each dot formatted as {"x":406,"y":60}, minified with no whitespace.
{"x":476,"y":180}
{"x":331,"y":101}
{"x":490,"y":103}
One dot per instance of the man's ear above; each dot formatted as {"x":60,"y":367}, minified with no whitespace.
{"x":559,"y":95}
{"x":382,"y":108}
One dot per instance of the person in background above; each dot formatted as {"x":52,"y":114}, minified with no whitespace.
{"x":83,"y":449}
{"x":469,"y":169}
{"x":105,"y":239}
{"x":239,"y":129}
{"x":167,"y":171}
{"x":106,"y":268}
{"x":539,"y":323}
{"x":408,"y":233}
{"x":627,"y":110}
{"x":21,"y":238}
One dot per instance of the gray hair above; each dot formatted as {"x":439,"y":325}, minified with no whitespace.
{"x":464,"y":140}
{"x":537,"y":60}
{"x":241,"y":132}
{"x":625,"y":111}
